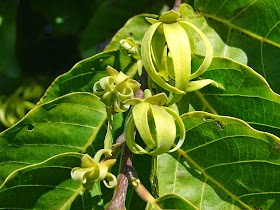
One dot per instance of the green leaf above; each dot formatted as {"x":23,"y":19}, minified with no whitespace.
{"x":37,"y":184}
{"x":85,"y":73}
{"x":229,"y":167}
{"x":220,"y":48}
{"x":38,"y":153}
{"x":246,"y":95}
{"x":170,"y":201}
{"x":135,"y":27}
{"x":252,"y":26}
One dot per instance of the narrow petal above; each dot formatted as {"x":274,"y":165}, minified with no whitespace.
{"x":208,"y":49}
{"x":163,"y":72}
{"x":179,"y":47}
{"x":148,"y":62}
{"x":111,"y":181}
{"x":87,"y":161}
{"x":181,"y":127}
{"x":196,"y":85}
{"x":165,"y":129}
{"x":78,"y":174}
{"x":130,"y":139}
{"x":141,"y":119}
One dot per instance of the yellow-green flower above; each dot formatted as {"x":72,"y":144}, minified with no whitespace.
{"x":94,"y":170}
{"x":131,"y":48}
{"x":151,"y":119}
{"x":166,"y":54}
{"x":115,"y":88}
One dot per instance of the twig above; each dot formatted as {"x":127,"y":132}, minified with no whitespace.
{"x":127,"y":172}
{"x":125,"y":175}
{"x":177,"y":4}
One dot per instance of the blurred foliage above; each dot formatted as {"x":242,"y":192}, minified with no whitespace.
{"x":40,"y":40}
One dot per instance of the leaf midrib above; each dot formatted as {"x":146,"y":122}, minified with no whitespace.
{"x":231,"y":25}
{"x":207,"y":177}
{"x":221,"y":139}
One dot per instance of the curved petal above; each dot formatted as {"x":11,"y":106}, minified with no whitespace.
{"x":106,"y":82}
{"x":112,"y":180}
{"x":181,"y":126}
{"x":179,"y":47}
{"x":165,"y":129}
{"x":78,"y":174}
{"x":208,"y":49}
{"x":140,"y":115}
{"x":104,"y":167}
{"x":97,"y":156}
{"x":148,"y":62}
{"x":97,"y":89}
{"x":196,"y":85}
{"x":87,"y":161}
{"x":130,"y":139}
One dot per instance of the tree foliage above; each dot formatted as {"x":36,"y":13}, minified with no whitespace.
{"x":226,"y":123}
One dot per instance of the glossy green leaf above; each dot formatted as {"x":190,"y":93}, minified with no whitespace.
{"x":220,"y":48}
{"x":246,"y":95}
{"x":135,"y":27}
{"x":252,"y":26}
{"x":38,"y":153}
{"x":170,"y":201}
{"x":223,"y":164}
{"x":138,"y":25}
{"x":85,"y":73}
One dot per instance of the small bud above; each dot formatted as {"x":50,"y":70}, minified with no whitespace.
{"x":114,"y":89}
{"x":92,"y":170}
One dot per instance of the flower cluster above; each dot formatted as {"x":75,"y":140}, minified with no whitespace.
{"x":115,"y":88}
{"x":166,"y":55}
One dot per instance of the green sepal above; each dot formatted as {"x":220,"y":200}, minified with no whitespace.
{"x":170,"y":16}
{"x":158,"y":99}
{"x":151,"y":20}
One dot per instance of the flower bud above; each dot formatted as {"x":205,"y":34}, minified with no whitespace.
{"x":115,"y":88}
{"x":129,"y":45}
{"x":92,"y":170}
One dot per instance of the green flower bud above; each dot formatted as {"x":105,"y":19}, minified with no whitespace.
{"x":115,"y":88}
{"x":166,"y":54}
{"x":129,"y":45}
{"x":151,"y":118}
{"x":94,"y":170}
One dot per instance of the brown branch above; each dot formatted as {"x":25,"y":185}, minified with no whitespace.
{"x":127,"y":172}
{"x":177,"y":4}
{"x":118,"y":201}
